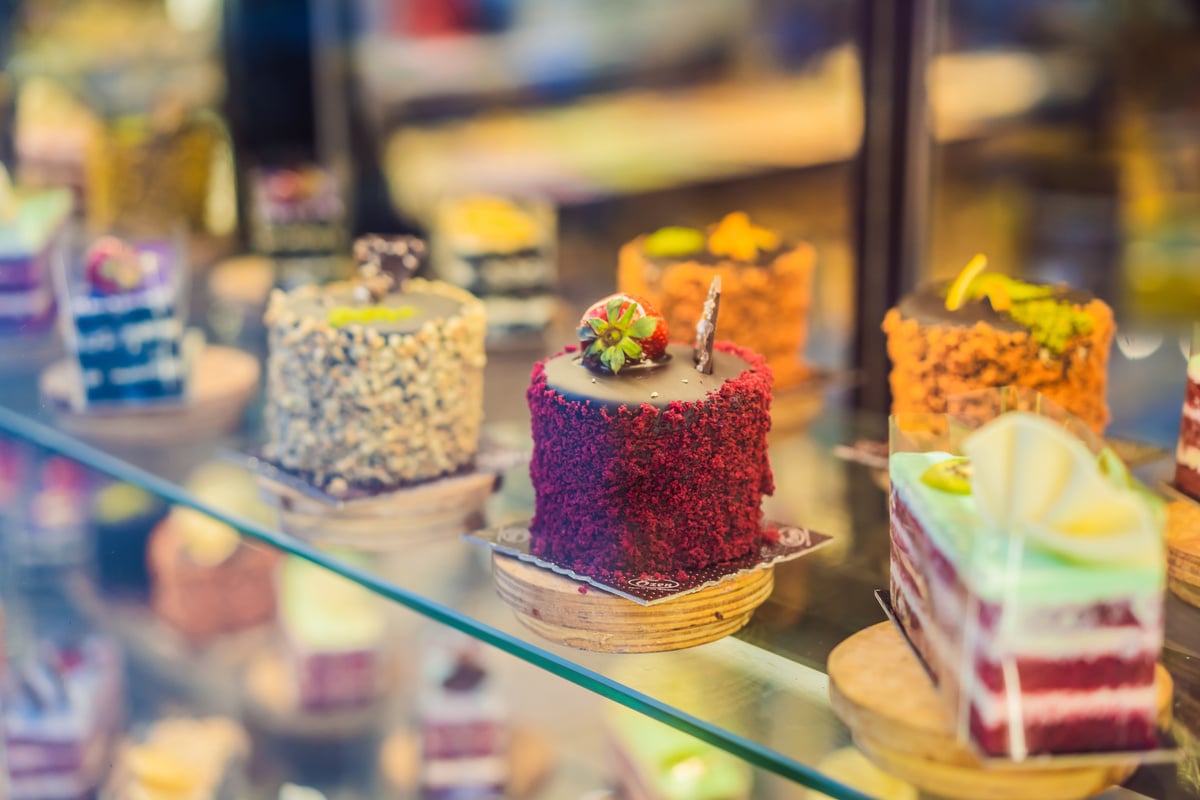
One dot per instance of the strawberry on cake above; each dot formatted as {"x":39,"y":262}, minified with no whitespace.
{"x":1029,"y":576}
{"x":1187,"y":454}
{"x":644,"y":464}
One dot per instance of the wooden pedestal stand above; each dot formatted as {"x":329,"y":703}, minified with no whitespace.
{"x":878,"y":688}
{"x":223,"y":382}
{"x":1183,"y":550}
{"x":578,"y":615}
{"x":440,"y":508}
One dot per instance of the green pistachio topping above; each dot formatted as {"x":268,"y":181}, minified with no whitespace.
{"x":1052,"y":323}
{"x":350,"y":315}
{"x":674,"y":241}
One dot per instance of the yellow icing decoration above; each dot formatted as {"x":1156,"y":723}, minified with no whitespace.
{"x":1052,"y":322}
{"x":674,"y":242}
{"x":207,"y":541}
{"x":960,"y":290}
{"x":491,"y":224}
{"x":735,"y":237}
{"x":365,"y":315}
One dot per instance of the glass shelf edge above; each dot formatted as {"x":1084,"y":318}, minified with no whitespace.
{"x":24,"y":428}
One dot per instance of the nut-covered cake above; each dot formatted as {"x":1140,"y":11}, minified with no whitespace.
{"x":767,"y":285}
{"x":1029,"y":575}
{"x":986,"y":330}
{"x":645,"y":464}
{"x":373,"y":386}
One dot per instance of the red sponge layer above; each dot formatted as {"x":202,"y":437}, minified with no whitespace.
{"x":623,"y":493}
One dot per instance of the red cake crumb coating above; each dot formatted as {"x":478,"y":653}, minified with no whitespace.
{"x":646,"y":492}
{"x":1187,"y":479}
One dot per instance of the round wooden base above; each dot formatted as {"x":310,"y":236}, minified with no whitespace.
{"x":578,"y":615}
{"x":223,"y":382}
{"x":445,"y":507}
{"x":881,"y":692}
{"x":1183,"y":550}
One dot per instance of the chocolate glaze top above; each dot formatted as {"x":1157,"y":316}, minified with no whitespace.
{"x":427,"y":306}
{"x":927,"y":305}
{"x":675,"y":381}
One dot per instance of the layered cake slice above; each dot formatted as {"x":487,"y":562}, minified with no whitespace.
{"x":32,"y":224}
{"x":501,"y":250}
{"x":1187,"y":454}
{"x":644,"y":465}
{"x":62,"y":708}
{"x":128,"y":330}
{"x":985,"y":330}
{"x":335,"y":631}
{"x":1029,"y":575}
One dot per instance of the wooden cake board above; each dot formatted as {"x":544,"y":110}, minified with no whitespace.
{"x":881,"y":692}
{"x":447,"y":506}
{"x":223,"y":383}
{"x":578,"y":615}
{"x":1183,"y":549}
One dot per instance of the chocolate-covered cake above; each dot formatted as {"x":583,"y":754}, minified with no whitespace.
{"x":985,"y":331}
{"x":370,"y":386}
{"x":643,"y":465}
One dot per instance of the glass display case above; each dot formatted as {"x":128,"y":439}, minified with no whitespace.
{"x":157,"y":554}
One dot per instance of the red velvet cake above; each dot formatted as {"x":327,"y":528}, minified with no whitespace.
{"x":1187,"y":454}
{"x":653,"y":469}
{"x":1030,"y":580}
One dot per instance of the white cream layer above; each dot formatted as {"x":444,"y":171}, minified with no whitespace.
{"x":1036,"y":707}
{"x":1188,"y":456}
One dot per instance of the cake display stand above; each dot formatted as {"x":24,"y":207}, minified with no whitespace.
{"x":386,"y":519}
{"x":223,"y":383}
{"x":638,"y":615}
{"x":579,"y":615}
{"x":881,"y":692}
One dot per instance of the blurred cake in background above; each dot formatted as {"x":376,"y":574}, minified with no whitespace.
{"x":377,"y":383}
{"x":33,"y":223}
{"x":463,"y":724}
{"x":766,"y":286}
{"x":53,"y":132}
{"x":51,"y":522}
{"x":985,"y":330}
{"x":296,"y":211}
{"x":1187,"y":453}
{"x":335,"y":638}
{"x":127,"y":323}
{"x":180,"y":758}
{"x":657,"y":762}
{"x":123,"y":516}
{"x":206,"y":581}
{"x":502,"y":250}
{"x":62,"y":709}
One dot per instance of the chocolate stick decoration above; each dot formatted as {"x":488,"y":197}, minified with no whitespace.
{"x":706,"y":328}
{"x":384,"y":263}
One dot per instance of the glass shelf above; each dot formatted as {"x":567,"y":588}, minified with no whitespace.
{"x":760,"y":695}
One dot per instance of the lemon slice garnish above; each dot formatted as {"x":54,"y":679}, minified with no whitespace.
{"x":960,"y":289}
{"x":1032,"y":478}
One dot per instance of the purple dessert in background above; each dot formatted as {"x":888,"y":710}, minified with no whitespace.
{"x":62,"y":712}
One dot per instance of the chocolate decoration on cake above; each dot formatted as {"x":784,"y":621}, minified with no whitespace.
{"x":385,"y":263}
{"x":706,"y":328}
